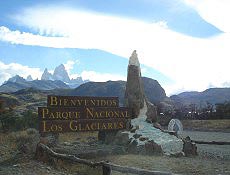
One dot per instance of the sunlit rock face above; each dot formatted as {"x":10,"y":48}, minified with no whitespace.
{"x":169,"y":144}
{"x":134,"y":94}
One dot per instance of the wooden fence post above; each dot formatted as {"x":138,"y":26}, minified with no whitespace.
{"x":106,"y":170}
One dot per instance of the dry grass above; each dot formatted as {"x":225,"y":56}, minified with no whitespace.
{"x":77,"y":136}
{"x":207,"y":124}
{"x":75,"y":168}
{"x":10,"y":143}
{"x":182,"y":165}
{"x":8,"y":146}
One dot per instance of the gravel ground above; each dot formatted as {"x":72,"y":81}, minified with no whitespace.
{"x":210,"y":151}
{"x":207,"y":136}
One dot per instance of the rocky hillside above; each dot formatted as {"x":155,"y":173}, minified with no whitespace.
{"x":212,"y":95}
{"x":153,"y":90}
{"x":31,"y":98}
{"x":155,"y":93}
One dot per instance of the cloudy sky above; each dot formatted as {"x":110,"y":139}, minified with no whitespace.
{"x":184,"y":44}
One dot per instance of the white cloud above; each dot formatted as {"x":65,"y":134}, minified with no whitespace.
{"x":215,"y":12}
{"x":100,"y":77}
{"x":69,"y":65}
{"x":17,"y":37}
{"x":74,"y":76}
{"x":9,"y":70}
{"x":192,"y":63}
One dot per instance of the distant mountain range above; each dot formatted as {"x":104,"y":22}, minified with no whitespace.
{"x":31,"y":98}
{"x":58,"y":80}
{"x":212,"y":95}
{"x":17,"y":83}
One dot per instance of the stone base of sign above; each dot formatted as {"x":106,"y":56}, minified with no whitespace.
{"x":121,"y":138}
{"x":106,"y":137}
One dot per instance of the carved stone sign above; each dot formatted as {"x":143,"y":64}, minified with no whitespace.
{"x":78,"y":113}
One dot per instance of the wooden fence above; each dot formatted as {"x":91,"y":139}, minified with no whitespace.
{"x":107,"y":167}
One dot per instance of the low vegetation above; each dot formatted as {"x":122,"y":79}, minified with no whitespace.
{"x":208,"y":125}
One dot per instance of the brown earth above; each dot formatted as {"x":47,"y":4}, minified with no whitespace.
{"x":13,"y":161}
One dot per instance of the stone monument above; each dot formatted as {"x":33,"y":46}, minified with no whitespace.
{"x":144,"y":137}
{"x":134,"y":93}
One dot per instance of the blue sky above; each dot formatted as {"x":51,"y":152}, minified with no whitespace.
{"x":184,"y":44}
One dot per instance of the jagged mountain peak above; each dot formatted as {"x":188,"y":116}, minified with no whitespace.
{"x":29,"y":78}
{"x":60,"y":73}
{"x":16,"y":79}
{"x":46,"y":75}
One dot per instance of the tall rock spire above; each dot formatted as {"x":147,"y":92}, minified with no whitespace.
{"x":133,"y":60}
{"x":134,"y":94}
{"x":46,"y":75}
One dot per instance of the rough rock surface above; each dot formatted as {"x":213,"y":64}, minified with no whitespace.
{"x":134,"y":93}
{"x":121,"y":138}
{"x":60,"y":73}
{"x":151,"y":112}
{"x":167,"y":144}
{"x":46,"y":75}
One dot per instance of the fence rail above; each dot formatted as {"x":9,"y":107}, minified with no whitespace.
{"x":211,"y":143}
{"x":107,"y":167}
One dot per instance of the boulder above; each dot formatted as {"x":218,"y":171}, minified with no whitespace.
{"x":132,"y":147}
{"x":152,"y":148}
{"x":189,"y":147}
{"x":107,"y":137}
{"x":121,"y":138}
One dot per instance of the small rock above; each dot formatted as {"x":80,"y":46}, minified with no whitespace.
{"x":153,"y":148}
{"x":136,"y":136}
{"x":143,"y":138}
{"x":157,"y":125}
{"x":133,"y":130}
{"x":67,"y":144}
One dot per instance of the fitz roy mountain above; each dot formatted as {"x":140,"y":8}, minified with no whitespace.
{"x":58,"y":80}
{"x":61,"y":74}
